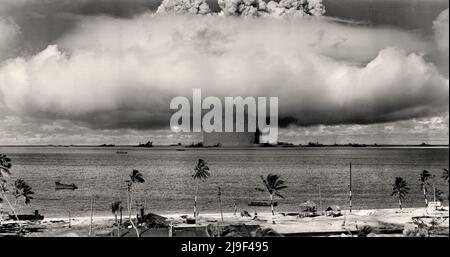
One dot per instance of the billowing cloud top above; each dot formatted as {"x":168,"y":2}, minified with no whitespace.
{"x":275,"y":9}
{"x":9,"y":32}
{"x":254,"y":8}
{"x":113,"y":73}
{"x":184,"y":6}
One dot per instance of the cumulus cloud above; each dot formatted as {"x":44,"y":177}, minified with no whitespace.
{"x":441,"y":28}
{"x":9,"y":33}
{"x":283,"y":8}
{"x":115,"y":73}
{"x":184,"y":6}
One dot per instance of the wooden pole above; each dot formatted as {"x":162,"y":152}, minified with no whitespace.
{"x":220,"y":205}
{"x":70,"y":220}
{"x":92,"y":210}
{"x":350,"y":188}
{"x":320,"y":199}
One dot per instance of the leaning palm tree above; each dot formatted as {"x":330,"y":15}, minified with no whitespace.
{"x":425,"y":175}
{"x":400,"y":189}
{"x":5,"y":169}
{"x":201,"y":173}
{"x":273,"y":185}
{"x":22,"y":190}
{"x":135,"y":177}
{"x":3,"y":191}
{"x":445,"y":174}
{"x":116,"y":207}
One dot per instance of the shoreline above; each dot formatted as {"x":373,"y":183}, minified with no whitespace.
{"x":230,"y":214}
{"x":384,"y":222}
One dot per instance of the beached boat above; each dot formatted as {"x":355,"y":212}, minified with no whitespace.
{"x":121,"y":152}
{"x":61,"y":186}
{"x":262,"y":203}
{"x":28,"y":217}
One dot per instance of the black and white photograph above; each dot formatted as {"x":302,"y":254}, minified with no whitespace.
{"x":224,"y":118}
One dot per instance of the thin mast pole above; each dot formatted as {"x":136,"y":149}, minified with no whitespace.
{"x":350,"y":188}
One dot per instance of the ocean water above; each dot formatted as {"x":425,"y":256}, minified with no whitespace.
{"x":169,"y":188}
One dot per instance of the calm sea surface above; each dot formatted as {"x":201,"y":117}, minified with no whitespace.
{"x":100,"y":174}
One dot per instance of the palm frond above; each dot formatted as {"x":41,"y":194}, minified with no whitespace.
{"x":201,"y":170}
{"x":267,"y":185}
{"x":445,"y":174}
{"x":137,"y":177}
{"x":273,"y":184}
{"x":400,"y":188}
{"x":279,"y":195}
{"x":22,"y":189}
{"x":116,"y":206}
{"x":425,"y":175}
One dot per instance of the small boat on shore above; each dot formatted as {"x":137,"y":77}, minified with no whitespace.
{"x":28,"y":217}
{"x":61,"y":186}
{"x":262,"y":203}
{"x":121,"y":152}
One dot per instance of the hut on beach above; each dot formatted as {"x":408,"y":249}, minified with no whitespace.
{"x":308,"y":209}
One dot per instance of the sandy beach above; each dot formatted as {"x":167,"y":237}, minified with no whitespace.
{"x":383,"y":222}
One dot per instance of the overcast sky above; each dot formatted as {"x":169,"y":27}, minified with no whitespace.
{"x":104,"y":71}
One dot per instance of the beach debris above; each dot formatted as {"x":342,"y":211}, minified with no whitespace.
{"x":308,"y":209}
{"x":333,"y":210}
{"x":245,"y":213}
{"x":425,"y":226}
{"x":289,"y":213}
{"x":267,"y":232}
{"x":434,"y":206}
{"x":190,"y":220}
{"x":152,"y":220}
{"x":364,"y":231}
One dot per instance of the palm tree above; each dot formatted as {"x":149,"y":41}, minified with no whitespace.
{"x":445,"y":174}
{"x":4,"y":190}
{"x":135,"y":177}
{"x":273,"y":185}
{"x":400,"y":189}
{"x":424,"y":177}
{"x":5,"y":169}
{"x":22,"y":190}
{"x":115,"y":208}
{"x":201,"y":174}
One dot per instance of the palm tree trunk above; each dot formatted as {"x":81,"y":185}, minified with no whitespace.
{"x":120,"y":223}
{"x":195,"y":200}
{"x":117,"y":224}
{"x":434,"y":193}
{"x":128,"y":203}
{"x":271,"y":204}
{"x":400,"y":203}
{"x":11,"y":207}
{"x":425,"y":196}
{"x":130,"y":199}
